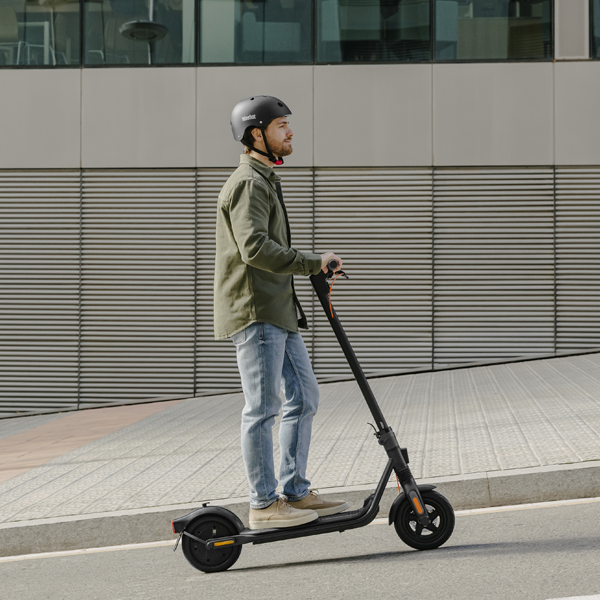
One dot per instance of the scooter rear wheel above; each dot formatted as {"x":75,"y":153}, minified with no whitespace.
{"x":412,"y":533}
{"x":217,"y":559}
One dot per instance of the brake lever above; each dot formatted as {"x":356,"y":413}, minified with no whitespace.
{"x":330,"y":274}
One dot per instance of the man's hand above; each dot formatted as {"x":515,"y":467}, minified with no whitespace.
{"x":325,"y":258}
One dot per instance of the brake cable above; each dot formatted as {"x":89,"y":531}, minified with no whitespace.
{"x":330,"y":288}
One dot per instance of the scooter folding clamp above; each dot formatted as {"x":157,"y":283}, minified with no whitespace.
{"x":388,"y":440}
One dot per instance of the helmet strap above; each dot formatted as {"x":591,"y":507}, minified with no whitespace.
{"x":275,"y":160}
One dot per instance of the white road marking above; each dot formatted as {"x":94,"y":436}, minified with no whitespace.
{"x":595,"y":597}
{"x":381,"y":521}
{"x":87,"y":551}
{"x":496,"y":509}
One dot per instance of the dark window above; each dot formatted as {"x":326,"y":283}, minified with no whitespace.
{"x":139,"y":32}
{"x":595,"y":18}
{"x":493,"y":29}
{"x":257,"y":31}
{"x":43,"y":32}
{"x":373,"y":30}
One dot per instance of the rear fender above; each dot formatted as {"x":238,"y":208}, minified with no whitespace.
{"x":181,"y":523}
{"x":426,"y":487}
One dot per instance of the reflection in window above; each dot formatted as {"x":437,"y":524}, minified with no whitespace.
{"x":596,"y":29}
{"x":373,"y":30}
{"x":493,"y":29}
{"x":39,"y":32}
{"x":138,"y":32}
{"x":255,"y":31}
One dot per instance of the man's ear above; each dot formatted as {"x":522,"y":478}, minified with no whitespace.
{"x":257,"y":134}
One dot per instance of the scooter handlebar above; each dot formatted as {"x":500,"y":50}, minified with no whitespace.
{"x":332,"y":265}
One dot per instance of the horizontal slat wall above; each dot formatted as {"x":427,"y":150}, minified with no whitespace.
{"x":106,"y":286}
{"x":577,"y":258}
{"x":137,"y":321}
{"x":297,"y":187}
{"x":216,"y":366}
{"x":494,"y":264}
{"x":39,"y":291}
{"x":379,"y":221}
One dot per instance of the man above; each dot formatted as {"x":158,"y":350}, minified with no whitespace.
{"x":256,"y":306}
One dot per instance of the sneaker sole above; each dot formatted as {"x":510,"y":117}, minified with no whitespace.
{"x":333,"y":510}
{"x":281,"y":524}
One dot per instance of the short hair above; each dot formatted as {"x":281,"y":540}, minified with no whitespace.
{"x":248,"y":138}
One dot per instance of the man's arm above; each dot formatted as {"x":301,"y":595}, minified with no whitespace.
{"x":249,"y":214}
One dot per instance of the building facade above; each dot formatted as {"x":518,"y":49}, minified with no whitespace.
{"x":448,"y":150}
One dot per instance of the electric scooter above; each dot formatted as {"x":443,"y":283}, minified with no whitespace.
{"x":212,"y":536}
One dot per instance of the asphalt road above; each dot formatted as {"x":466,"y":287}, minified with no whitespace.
{"x":535,"y":554}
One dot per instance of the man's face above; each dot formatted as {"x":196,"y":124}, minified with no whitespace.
{"x":279,"y":136}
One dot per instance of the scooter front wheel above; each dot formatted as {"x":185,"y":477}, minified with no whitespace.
{"x":216,"y":559}
{"x":441,"y":516}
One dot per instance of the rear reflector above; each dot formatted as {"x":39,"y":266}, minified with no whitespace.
{"x":173,"y":525}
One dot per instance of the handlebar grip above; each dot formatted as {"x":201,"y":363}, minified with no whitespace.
{"x":332,"y":265}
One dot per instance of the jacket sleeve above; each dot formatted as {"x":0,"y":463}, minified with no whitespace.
{"x":249,"y":209}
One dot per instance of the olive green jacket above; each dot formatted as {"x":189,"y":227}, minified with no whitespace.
{"x":254,"y":261}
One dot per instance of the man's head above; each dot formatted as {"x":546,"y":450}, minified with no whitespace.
{"x":261,"y":124}
{"x":279,"y":136}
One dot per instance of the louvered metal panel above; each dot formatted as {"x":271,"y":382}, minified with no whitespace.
{"x":107,"y":277}
{"x":578,"y":258}
{"x":493,"y":264}
{"x":39,"y":291}
{"x":379,"y":221}
{"x":216,"y":369}
{"x":137,"y":316}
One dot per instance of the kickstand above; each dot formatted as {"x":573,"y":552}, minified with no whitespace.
{"x":177,"y":542}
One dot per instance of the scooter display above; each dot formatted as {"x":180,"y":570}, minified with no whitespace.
{"x":212,"y":536}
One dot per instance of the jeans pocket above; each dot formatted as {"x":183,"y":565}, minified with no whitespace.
{"x":239,"y":337}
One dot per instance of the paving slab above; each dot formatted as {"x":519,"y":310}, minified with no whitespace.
{"x":472,"y":428}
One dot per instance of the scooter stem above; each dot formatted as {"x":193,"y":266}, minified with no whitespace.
{"x":385,"y":436}
{"x":322,"y":288}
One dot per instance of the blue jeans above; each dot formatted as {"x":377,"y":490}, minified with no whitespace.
{"x":269,"y":359}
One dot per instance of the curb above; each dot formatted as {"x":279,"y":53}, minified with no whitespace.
{"x":476,"y":490}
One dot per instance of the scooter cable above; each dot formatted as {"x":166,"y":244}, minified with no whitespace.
{"x":330,"y":288}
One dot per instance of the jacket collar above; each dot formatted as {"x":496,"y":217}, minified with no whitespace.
{"x":266,"y":172}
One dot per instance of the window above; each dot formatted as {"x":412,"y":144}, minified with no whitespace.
{"x":43,"y":32}
{"x":373,"y":30}
{"x":164,"y":32}
{"x":139,"y":32}
{"x":595,"y":19}
{"x":493,"y":29}
{"x":255,"y":31}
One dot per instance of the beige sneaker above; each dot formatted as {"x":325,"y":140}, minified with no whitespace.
{"x":321,"y":506}
{"x":280,"y":514}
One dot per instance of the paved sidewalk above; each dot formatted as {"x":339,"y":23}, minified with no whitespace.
{"x":454,"y":423}
{"x":48,"y":438}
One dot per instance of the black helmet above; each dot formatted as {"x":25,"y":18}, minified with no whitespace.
{"x":257,"y":111}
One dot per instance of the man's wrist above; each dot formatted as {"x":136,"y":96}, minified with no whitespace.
{"x":312,"y":263}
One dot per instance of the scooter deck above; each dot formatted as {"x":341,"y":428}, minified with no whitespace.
{"x":321,"y":521}
{"x":328,"y":524}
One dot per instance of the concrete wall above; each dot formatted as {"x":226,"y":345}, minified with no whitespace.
{"x":344,"y":115}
